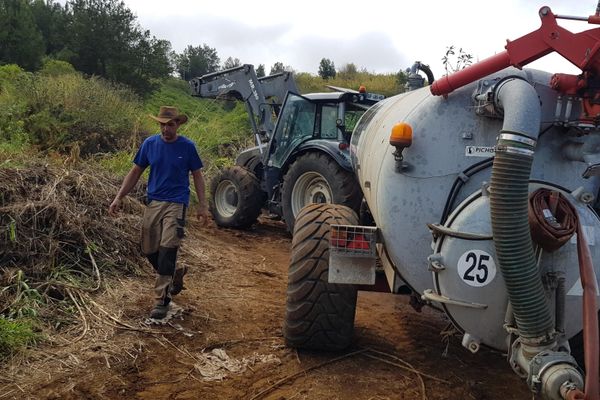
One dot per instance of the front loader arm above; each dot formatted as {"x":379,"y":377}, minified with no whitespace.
{"x":276,"y":86}
{"x":240,"y":83}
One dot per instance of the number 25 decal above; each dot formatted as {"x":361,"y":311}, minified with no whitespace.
{"x":476,"y":268}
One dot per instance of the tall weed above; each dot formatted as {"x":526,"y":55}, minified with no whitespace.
{"x":66,"y":109}
{"x":12,"y":107}
{"x":384,"y":84}
{"x":15,"y":336}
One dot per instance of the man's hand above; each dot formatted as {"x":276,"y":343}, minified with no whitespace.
{"x":128,"y":183}
{"x":202,"y":214}
{"x":113,"y":209}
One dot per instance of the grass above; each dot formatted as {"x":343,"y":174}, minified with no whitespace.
{"x":15,"y":336}
{"x":384,"y":84}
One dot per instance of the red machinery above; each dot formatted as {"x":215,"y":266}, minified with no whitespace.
{"x":581,"y":49}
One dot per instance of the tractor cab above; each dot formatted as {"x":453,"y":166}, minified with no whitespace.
{"x":320,"y":122}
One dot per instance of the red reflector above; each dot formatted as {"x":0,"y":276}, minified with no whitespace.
{"x":343,"y":146}
{"x":358,"y":242}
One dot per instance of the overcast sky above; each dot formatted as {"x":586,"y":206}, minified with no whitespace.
{"x":381,"y":36}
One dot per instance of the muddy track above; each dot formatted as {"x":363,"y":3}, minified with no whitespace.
{"x":228,"y":344}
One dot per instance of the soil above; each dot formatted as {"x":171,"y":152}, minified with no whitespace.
{"x":233,"y":306}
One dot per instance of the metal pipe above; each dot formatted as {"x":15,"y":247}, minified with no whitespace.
{"x":568,"y":109}
{"x":558,"y":111}
{"x":560,"y":304}
{"x":448,"y":83}
{"x":570,"y":17}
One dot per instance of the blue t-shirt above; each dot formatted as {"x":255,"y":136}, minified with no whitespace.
{"x":170,"y":166}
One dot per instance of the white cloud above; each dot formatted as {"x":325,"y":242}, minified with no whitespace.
{"x":378,"y":35}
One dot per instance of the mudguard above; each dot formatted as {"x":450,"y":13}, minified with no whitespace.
{"x":330,"y":147}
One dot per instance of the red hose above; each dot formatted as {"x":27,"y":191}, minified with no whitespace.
{"x":590,"y":317}
{"x":551,"y":237}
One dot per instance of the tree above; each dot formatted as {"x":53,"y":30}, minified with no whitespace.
{"x":21,"y":40}
{"x":401,"y":79}
{"x":196,"y":61}
{"x":277,"y":67}
{"x":326,"y":68}
{"x":104,"y":39}
{"x":51,"y":20}
{"x":231,"y":63}
{"x":101,"y":32}
{"x":349,"y":70}
{"x":260,"y":70}
{"x":149,"y":62}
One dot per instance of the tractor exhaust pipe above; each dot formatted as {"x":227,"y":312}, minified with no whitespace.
{"x":509,"y":206}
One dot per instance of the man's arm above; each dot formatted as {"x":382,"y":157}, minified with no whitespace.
{"x":202,"y":211}
{"x":128,"y":183}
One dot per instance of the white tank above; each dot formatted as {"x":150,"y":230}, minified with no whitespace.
{"x":451,"y":135}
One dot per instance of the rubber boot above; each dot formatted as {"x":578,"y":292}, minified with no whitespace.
{"x":153,"y":258}
{"x":161,"y":296}
{"x":162,"y":286}
{"x":177,"y":286}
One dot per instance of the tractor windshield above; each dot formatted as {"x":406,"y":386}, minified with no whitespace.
{"x":351,"y":118}
{"x":296,"y":122}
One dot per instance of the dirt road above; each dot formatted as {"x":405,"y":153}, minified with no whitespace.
{"x":228,"y":344}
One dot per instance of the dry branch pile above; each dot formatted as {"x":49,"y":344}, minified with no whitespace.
{"x":55,"y":219}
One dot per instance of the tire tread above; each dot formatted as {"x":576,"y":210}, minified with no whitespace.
{"x":319,"y":315}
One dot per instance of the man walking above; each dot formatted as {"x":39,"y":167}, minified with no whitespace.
{"x":171,"y":158}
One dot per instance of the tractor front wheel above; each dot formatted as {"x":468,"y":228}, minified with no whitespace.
{"x":317,"y":178}
{"x":236,"y":198}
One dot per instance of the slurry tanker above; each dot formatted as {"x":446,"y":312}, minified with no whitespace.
{"x":481,"y":200}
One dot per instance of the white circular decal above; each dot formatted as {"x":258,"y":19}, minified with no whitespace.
{"x":476,"y":268}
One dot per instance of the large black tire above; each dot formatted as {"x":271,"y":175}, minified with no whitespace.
{"x":319,"y":315}
{"x":236,"y":198}
{"x":317,"y":178}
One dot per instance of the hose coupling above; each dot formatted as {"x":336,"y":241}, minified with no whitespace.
{"x":550,"y":372}
{"x":515,"y":144}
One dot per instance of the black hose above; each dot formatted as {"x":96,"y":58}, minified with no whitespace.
{"x":427,"y":71}
{"x":514,"y":248}
{"x":458,"y":184}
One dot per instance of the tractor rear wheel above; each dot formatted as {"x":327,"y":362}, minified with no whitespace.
{"x":317,"y":178}
{"x":319,"y":315}
{"x":236,"y":198}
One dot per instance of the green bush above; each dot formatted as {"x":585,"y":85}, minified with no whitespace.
{"x":69,"y":109}
{"x":56,"y":67}
{"x":12,"y":109}
{"x":10,"y":72}
{"x":15,"y":336}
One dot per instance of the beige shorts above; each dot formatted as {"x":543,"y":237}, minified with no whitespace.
{"x":162,"y":226}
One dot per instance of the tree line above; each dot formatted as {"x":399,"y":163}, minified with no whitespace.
{"x":99,"y":38}
{"x":103,"y":38}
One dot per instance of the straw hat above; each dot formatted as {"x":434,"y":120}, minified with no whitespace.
{"x":167,"y":113}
